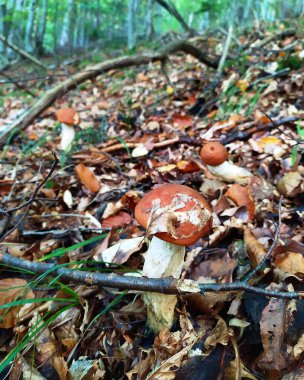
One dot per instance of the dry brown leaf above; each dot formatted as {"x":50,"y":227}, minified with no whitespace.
{"x":291,"y":262}
{"x":187,"y":166}
{"x":230,"y":372}
{"x":272,"y":334}
{"x":290,"y":184}
{"x":254,"y":248}
{"x":88,"y":178}
{"x":116,"y":220}
{"x":11,"y":290}
{"x":241,"y":196}
{"x":219,"y":335}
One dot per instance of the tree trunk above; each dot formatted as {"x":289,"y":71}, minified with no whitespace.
{"x":130,"y":24}
{"x":42,"y":27}
{"x":170,"y":7}
{"x":30,"y":25}
{"x":149,"y":29}
{"x":55,"y":31}
{"x":2,"y":28}
{"x":67,"y":34}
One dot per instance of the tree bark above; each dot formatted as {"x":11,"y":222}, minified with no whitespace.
{"x":30,"y":26}
{"x":92,"y":71}
{"x":42,"y":28}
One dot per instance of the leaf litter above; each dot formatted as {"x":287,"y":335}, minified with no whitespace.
{"x":137,"y":132}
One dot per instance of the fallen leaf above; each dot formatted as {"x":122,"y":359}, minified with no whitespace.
{"x":182,"y":121}
{"x":116,"y":220}
{"x":12,"y":289}
{"x":241,"y":196}
{"x":290,"y":184}
{"x":121,"y":251}
{"x":88,"y":178}
{"x":254,"y":248}
{"x":187,"y":166}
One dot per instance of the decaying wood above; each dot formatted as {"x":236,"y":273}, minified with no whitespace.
{"x":94,"y":70}
{"x":22,"y":52}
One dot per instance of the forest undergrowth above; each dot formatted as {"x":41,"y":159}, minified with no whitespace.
{"x":68,"y":206}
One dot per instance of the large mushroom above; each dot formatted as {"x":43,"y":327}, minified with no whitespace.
{"x":215,"y":155}
{"x":176,"y":216}
{"x":68,"y":118}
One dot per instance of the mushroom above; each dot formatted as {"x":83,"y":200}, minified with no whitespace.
{"x":215,"y":155}
{"x":177,"y":216}
{"x":68,"y":118}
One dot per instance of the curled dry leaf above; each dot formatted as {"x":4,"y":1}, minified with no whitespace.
{"x":290,"y":184}
{"x":182,"y":121}
{"x":290,"y":258}
{"x":254,"y":248}
{"x":117,"y":220}
{"x":11,"y":290}
{"x":120,"y":252}
{"x":272,"y":334}
{"x":88,"y":178}
{"x":231,"y":370}
{"x":241,"y":196}
{"x":220,"y":335}
{"x":187,"y":166}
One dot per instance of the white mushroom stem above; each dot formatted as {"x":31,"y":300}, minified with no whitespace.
{"x":67,"y":136}
{"x":162,"y":259}
{"x":230,"y":172}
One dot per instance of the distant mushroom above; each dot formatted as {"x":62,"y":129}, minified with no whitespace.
{"x":177,"y":216}
{"x":68,"y":118}
{"x":215,"y":155}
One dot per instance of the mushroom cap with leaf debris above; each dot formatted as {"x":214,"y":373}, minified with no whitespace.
{"x":175,"y":213}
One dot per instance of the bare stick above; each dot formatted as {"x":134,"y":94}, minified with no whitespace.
{"x":166,"y":285}
{"x":30,"y":201}
{"x":270,"y":250}
{"x":22,"y":52}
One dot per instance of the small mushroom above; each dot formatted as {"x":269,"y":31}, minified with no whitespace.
{"x":176,"y":216}
{"x":215,"y":155}
{"x":68,"y":118}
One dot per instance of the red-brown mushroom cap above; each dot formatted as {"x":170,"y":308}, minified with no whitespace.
{"x":214,"y":153}
{"x":68,"y":116}
{"x":175,"y":213}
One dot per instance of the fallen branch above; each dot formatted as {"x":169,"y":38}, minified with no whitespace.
{"x":21,"y":87}
{"x":245,"y":135}
{"x":165,"y":285}
{"x":28,"y":203}
{"x":22,"y":52}
{"x":93,"y":71}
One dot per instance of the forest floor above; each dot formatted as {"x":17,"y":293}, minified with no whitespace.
{"x":139,"y":128}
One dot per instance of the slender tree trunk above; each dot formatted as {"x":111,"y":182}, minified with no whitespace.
{"x":171,"y":8}
{"x":149,"y":29}
{"x":42,"y":27}
{"x":2,"y":27}
{"x":30,"y":26}
{"x":130,"y":25}
{"x":66,"y":38}
{"x":56,"y":26}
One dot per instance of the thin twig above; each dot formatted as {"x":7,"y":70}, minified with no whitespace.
{"x":270,"y":250}
{"x":30,"y":201}
{"x":167,"y":285}
{"x":37,"y":188}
